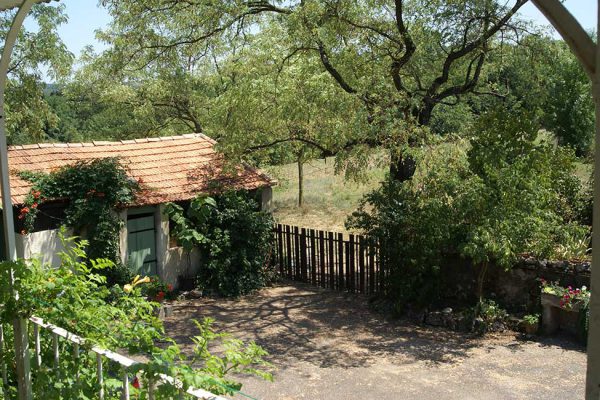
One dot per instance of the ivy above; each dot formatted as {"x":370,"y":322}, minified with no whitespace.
{"x":93,"y":190}
{"x":235,"y":239}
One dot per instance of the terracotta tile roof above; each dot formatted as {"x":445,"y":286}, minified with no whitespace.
{"x":172,"y":168}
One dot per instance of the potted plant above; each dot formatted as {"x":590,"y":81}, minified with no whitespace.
{"x":558,"y":301}
{"x":531,"y":323}
{"x":566,"y":298}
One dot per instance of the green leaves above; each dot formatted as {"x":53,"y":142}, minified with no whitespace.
{"x":502,"y":195}
{"x":92,"y":190}
{"x":234,"y":237}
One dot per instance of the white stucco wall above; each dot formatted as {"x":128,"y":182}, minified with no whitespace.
{"x":42,"y":245}
{"x":267,"y":199}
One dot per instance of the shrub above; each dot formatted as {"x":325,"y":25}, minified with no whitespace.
{"x":505,"y":196}
{"x":235,"y":239}
{"x":415,"y":224}
{"x":75,"y":296}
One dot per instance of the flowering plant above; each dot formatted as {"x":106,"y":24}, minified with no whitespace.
{"x":157,"y":290}
{"x":568,"y":295}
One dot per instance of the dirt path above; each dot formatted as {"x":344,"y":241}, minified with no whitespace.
{"x":328,"y":345}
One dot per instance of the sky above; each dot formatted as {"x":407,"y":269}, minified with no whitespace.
{"x":85,"y":17}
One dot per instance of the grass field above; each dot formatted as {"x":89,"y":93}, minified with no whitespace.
{"x":328,"y":198}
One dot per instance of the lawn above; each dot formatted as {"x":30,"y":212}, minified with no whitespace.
{"x":328,"y":197}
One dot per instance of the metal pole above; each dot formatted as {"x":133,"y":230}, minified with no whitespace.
{"x":592,"y":389}
{"x":20,"y":324}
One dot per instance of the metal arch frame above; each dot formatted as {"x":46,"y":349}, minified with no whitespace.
{"x":588,"y":54}
{"x":21,"y":342}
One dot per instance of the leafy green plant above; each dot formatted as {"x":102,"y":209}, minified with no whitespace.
{"x":523,"y":195}
{"x":235,"y":238}
{"x":74,"y":296}
{"x":532,"y":319}
{"x":93,"y":190}
{"x":489,"y":313}
{"x":492,"y":200}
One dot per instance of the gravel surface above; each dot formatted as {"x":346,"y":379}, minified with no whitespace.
{"x":328,"y":345}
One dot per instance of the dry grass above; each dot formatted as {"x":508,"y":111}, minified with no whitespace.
{"x":328,"y":198}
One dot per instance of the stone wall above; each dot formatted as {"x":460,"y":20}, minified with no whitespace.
{"x":516,"y":289}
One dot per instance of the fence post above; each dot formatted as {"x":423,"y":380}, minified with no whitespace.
{"x":331,"y":261}
{"x":371,"y":268}
{"x":296,"y":253}
{"x":313,"y":257}
{"x":352,"y":263}
{"x":100,"y":376}
{"x":280,"y":247}
{"x":288,"y":243}
{"x":22,"y":358}
{"x":303,"y":251}
{"x":341,"y":279}
{"x":322,"y":256}
{"x":361,"y":263}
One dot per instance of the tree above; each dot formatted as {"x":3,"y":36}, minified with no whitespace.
{"x":28,"y":114}
{"x":291,"y":111}
{"x":400,"y":59}
{"x":501,"y":196}
{"x":569,"y":104}
{"x":523,"y":196}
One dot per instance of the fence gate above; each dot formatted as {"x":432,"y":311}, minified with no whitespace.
{"x":328,"y":259}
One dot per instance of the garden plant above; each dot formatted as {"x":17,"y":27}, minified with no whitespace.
{"x":75,"y":296}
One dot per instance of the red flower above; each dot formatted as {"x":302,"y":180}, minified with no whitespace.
{"x":36,"y":193}
{"x":136,"y":383}
{"x":34,"y":205}
{"x":24,"y":210}
{"x":20,"y":216}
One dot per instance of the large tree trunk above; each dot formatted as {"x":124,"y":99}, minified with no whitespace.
{"x":402,"y":167}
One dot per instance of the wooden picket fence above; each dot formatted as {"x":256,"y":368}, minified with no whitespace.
{"x":328,"y":259}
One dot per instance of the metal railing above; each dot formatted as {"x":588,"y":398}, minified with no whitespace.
{"x":58,"y":334}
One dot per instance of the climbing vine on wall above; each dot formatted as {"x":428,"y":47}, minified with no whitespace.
{"x":93,"y":190}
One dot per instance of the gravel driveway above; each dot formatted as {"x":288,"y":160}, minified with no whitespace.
{"x":328,"y":345}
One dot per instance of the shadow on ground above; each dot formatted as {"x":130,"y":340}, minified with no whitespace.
{"x":298,"y":322}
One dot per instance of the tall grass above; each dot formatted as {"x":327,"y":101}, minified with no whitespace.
{"x":328,"y":197}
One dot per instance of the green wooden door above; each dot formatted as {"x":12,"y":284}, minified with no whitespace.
{"x":141,"y":243}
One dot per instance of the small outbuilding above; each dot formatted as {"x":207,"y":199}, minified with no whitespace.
{"x":172,"y":169}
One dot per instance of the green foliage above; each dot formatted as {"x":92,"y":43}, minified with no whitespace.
{"x":506,"y":196}
{"x":74,"y":296}
{"x":234,"y":238}
{"x":28,"y":114}
{"x":93,"y":189}
{"x":569,"y":106}
{"x":532,"y":319}
{"x":488,"y":314}
{"x":523,"y":197}
{"x":415,"y":225}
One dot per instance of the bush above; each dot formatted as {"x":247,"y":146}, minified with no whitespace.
{"x":235,"y":239}
{"x":505,"y":196}
{"x":415,"y":224}
{"x":74,"y":296}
